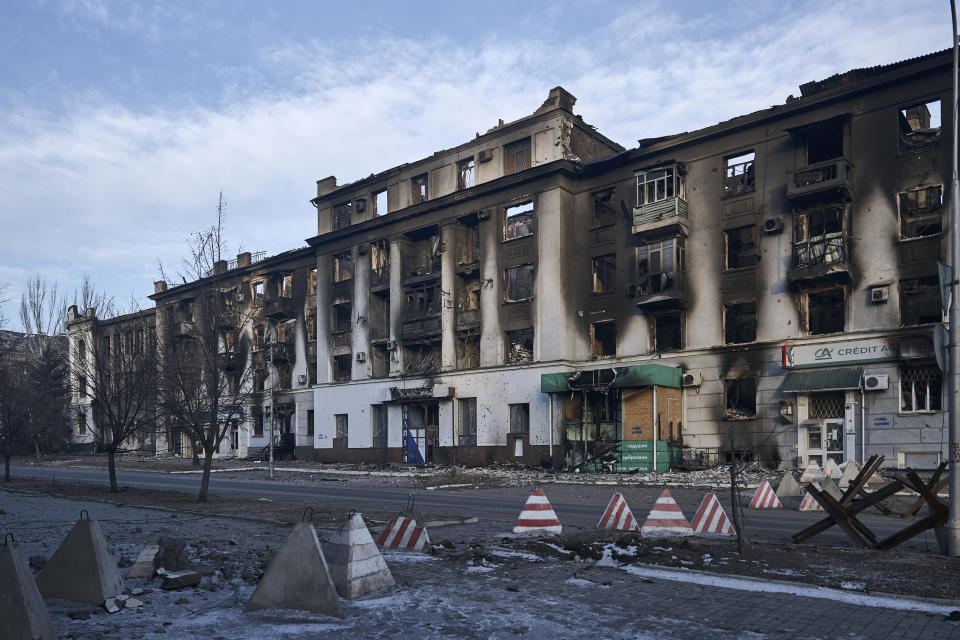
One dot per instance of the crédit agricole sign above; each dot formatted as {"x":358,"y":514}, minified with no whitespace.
{"x":838,"y":353}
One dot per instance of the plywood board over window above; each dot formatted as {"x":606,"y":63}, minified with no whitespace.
{"x":638,"y":414}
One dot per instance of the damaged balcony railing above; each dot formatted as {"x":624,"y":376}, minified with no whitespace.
{"x":821,"y":179}
{"x":821,"y":250}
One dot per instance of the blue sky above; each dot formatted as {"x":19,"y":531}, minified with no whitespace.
{"x":121,"y":121}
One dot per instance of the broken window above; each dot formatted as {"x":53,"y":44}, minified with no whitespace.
{"x":518,"y":283}
{"x":819,"y":236}
{"x":468,"y":352}
{"x":81,"y":423}
{"x":658,"y":265}
{"x":740,"y":322}
{"x":920,"y":301}
{"x":468,"y":294}
{"x":466,"y":176}
{"x":422,"y":301}
{"x":342,"y":368}
{"x":667,"y":332}
{"x":920,"y":212}
{"x":741,"y":398}
{"x":660,"y":184}
{"x":520,"y":418}
{"x":312,"y":282}
{"x":518,"y":220}
{"x":516,"y":156}
{"x":380,"y":260}
{"x":285,"y":285}
{"x":921,"y":389}
{"x":919,"y":125}
{"x":343,"y":425}
{"x":343,"y":267}
{"x":257,"y":422}
{"x":825,"y":142}
{"x":257,"y":292}
{"x":604,"y":214}
{"x":342,"y":215}
{"x":380,"y":206}
{"x":341,"y":317}
{"x":467,"y":431}
{"x":422,"y":359}
{"x":739,"y":176}
{"x":519,"y":346}
{"x":740,"y":247}
{"x":259,"y":337}
{"x":378,"y":413}
{"x":418,"y":189}
{"x":422,"y":256}
{"x":603,"y":339}
{"x":825,"y":311}
{"x":259,"y":380}
{"x":605,"y":273}
{"x":468,"y":244}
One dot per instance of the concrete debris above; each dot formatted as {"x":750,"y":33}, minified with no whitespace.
{"x":82,"y":568}
{"x":145,"y":565}
{"x":110,"y":605}
{"x":180,"y":579}
{"x":132,"y":603}
{"x":171,"y":554}
{"x":23,"y":613}
{"x":122,"y":598}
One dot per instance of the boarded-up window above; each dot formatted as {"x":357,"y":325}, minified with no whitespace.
{"x":518,"y":221}
{"x":638,"y":414}
{"x":516,"y":156}
{"x":518,"y":283}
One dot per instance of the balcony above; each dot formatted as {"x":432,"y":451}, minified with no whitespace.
{"x":420,"y":328}
{"x":279,"y":308}
{"x":283,"y":352}
{"x":340,"y":343}
{"x":232,"y":361}
{"x":662,"y":292}
{"x":819,"y":182}
{"x":466,"y":320}
{"x":423,"y":268}
{"x":822,"y":258}
{"x":183,"y":329}
{"x":380,"y":278}
{"x":341,"y":291}
{"x":663,"y":218}
{"x":379,"y":333}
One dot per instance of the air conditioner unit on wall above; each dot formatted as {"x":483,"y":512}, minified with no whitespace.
{"x":485,"y":156}
{"x":302,"y":379}
{"x":361,"y":356}
{"x":876,"y":382}
{"x":879,"y":295}
{"x":773,"y":225}
{"x":483,"y":214}
{"x":692,"y":378}
{"x":391,"y":345}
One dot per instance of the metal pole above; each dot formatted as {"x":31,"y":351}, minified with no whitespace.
{"x":273,"y":413}
{"x":953,"y":524}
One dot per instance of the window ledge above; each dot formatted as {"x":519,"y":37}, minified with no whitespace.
{"x":740,"y":269}
{"x":902,"y":241}
{"x":926,"y":412}
{"x":734,"y":196}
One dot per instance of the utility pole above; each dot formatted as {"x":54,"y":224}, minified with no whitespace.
{"x":953,"y":524}
{"x":273,"y":413}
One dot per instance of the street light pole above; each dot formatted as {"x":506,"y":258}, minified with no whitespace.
{"x":953,"y":524}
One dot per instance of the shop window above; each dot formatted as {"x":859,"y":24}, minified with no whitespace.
{"x":380,"y":206}
{"x":418,"y":189}
{"x":605,"y":273}
{"x":921,"y":212}
{"x":518,"y":283}
{"x":310,"y":423}
{"x":604,"y":213}
{"x":603,"y":339}
{"x":343,"y":267}
{"x":919,"y":125}
{"x":921,"y":389}
{"x":741,"y":398}
{"x":379,"y":416}
{"x":739,"y":176}
{"x":826,"y":311}
{"x":343,"y":425}
{"x":342,"y":368}
{"x":466,"y":174}
{"x":342,"y":215}
{"x":518,"y":221}
{"x":825,"y":142}
{"x":819,"y":236}
{"x":920,"y":301}
{"x":520,"y":418}
{"x":667,"y":332}
{"x":467,"y":431}
{"x":740,"y":247}
{"x":740,"y":322}
{"x":516,"y":156}
{"x":519,"y":346}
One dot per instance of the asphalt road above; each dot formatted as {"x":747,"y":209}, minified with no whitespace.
{"x":575,"y":505}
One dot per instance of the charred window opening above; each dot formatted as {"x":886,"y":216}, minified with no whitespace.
{"x":257,"y":287}
{"x":342,"y":215}
{"x":422,"y":301}
{"x":741,"y":398}
{"x":422,"y":359}
{"x":379,"y":361}
{"x":740,"y":322}
{"x":341,"y":317}
{"x":920,"y":212}
{"x":825,"y":142}
{"x":740,"y":247}
{"x":468,"y":294}
{"x":418,"y":189}
{"x":604,"y":213}
{"x":467,"y":428}
{"x":468,"y":244}
{"x":668,"y":332}
{"x":518,"y":221}
{"x":423,"y":256}
{"x":379,"y":417}
{"x":310,"y":422}
{"x":259,"y":337}
{"x":519,"y":346}
{"x":284,"y":377}
{"x":380,"y":263}
{"x":660,"y":184}
{"x":605,"y":273}
{"x":919,"y":125}
{"x":466,"y":174}
{"x":468,"y":352}
{"x":312,"y":282}
{"x":342,"y":368}
{"x":518,"y":283}
{"x":378,"y":317}
{"x":920,"y":301}
{"x":739,"y":176}
{"x":603,"y":339}
{"x":826,"y":311}
{"x":380,"y":206}
{"x":343,"y":267}
{"x":286,"y":333}
{"x":520,"y":418}
{"x":257,"y":422}
{"x":921,"y":389}
{"x":285,"y":285}
{"x":311,"y":325}
{"x":342,"y":424}
{"x":516,"y":156}
{"x":659,"y":263}
{"x":259,"y":380}
{"x":819,"y":236}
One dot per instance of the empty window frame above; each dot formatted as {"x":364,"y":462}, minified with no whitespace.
{"x":518,"y":220}
{"x":342,"y":318}
{"x":418,"y":189}
{"x":285,"y":285}
{"x":520,"y":417}
{"x":921,"y":389}
{"x":919,"y":125}
{"x":422,"y":301}
{"x":342,"y":368}
{"x":604,"y":214}
{"x":468,"y":244}
{"x":921,"y":212}
{"x":739,"y":175}
{"x":342,"y":424}
{"x":378,"y":413}
{"x":380,"y":206}
{"x":658,"y":265}
{"x":468,"y":351}
{"x":467,"y":428}
{"x":519,"y":346}
{"x":740,"y":398}
{"x":605,"y":273}
{"x":380,"y":259}
{"x":920,"y":301}
{"x":257,"y":287}
{"x":343,"y":267}
{"x":516,"y":156}
{"x":740,"y":322}
{"x":819,"y":236}
{"x":824,"y":142}
{"x":603,"y":339}
{"x":312,"y":282}
{"x":466,"y":174}
{"x":81,"y":423}
{"x":257,"y":422}
{"x":342,"y":215}
{"x":660,"y":184}
{"x":740,"y":247}
{"x":826,"y":311}
{"x":311,"y":324}
{"x":668,"y":332}
{"x":518,"y":283}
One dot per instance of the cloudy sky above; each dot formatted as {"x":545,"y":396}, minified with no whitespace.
{"x":120,"y":122}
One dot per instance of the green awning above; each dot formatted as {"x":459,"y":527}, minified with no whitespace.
{"x":834,"y":379}
{"x":643,"y":375}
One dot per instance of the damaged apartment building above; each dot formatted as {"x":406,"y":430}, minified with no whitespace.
{"x":764,"y":288}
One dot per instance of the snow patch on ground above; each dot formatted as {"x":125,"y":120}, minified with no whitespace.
{"x":503,"y":553}
{"x":580,"y":582}
{"x":406,"y":556}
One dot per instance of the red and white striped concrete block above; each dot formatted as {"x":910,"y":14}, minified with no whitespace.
{"x":710,"y":518}
{"x":618,"y":516}
{"x":666,"y":518}
{"x":765,"y":498}
{"x":537,"y":515}
{"x":403,"y":533}
{"x":809,"y":503}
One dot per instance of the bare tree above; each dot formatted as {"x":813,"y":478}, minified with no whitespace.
{"x":12,"y":397}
